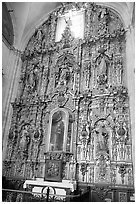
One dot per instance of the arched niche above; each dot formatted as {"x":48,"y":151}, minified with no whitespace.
{"x":60,"y":130}
{"x":103,"y":137}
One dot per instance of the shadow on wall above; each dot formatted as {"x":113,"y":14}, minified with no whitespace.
{"x":7,"y":26}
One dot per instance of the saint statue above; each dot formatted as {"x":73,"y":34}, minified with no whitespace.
{"x":102,"y":141}
{"x":33,"y":78}
{"x":39,"y":35}
{"x":25,"y":139}
{"x":102,"y":77}
{"x":57,"y":132}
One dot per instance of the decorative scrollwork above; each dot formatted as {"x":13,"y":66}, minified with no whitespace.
{"x":65,"y":157}
{"x":101,"y":191}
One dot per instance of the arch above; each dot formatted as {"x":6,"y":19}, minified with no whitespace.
{"x":60,"y":130}
{"x":121,"y":9}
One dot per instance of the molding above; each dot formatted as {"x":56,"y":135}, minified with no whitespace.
{"x":110,"y":186}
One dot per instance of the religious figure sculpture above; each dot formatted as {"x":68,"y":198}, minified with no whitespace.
{"x":62,"y":77}
{"x":102,"y":139}
{"x":39,"y":35}
{"x":33,"y":78}
{"x":102,"y":61}
{"x":102,"y":77}
{"x":57,"y":132}
{"x":25,"y":140}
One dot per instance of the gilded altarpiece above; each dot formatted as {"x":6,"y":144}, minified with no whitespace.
{"x":85,"y":78}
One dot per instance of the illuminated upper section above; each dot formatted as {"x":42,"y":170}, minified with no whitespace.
{"x":75,"y":20}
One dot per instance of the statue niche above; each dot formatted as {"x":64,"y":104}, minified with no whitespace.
{"x":102,"y":137}
{"x":64,"y":70}
{"x":63,"y":76}
{"x":103,"y":62}
{"x":102,"y":78}
{"x":57,"y":131}
{"x":33,"y":78}
{"x":24,"y":140}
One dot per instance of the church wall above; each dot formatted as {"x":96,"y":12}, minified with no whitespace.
{"x":5,"y":56}
{"x":130,"y":56}
{"x":11,"y":63}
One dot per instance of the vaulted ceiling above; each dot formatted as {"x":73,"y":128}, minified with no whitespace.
{"x":27,"y":16}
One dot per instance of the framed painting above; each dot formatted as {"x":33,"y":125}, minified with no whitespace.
{"x":53,"y":170}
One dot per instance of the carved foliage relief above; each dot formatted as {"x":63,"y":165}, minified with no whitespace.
{"x":85,"y":76}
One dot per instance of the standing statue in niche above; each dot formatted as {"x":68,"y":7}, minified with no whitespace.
{"x":102,"y":61}
{"x":33,"y":78}
{"x":103,"y":72}
{"x":57,"y":132}
{"x":25,"y":140}
{"x":102,"y":139}
{"x":63,"y":76}
{"x":103,"y":22}
{"x":39,"y":34}
{"x":59,"y":136}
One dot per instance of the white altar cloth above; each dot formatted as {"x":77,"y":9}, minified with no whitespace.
{"x":67,"y":184}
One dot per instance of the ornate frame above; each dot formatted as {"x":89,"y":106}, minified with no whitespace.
{"x":53,"y":170}
{"x":65,"y":128}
